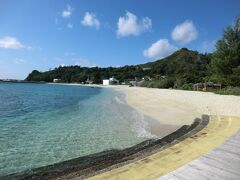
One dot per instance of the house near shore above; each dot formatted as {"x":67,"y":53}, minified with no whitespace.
{"x":206,"y":86}
{"x":137,"y":81}
{"x":88,"y":81}
{"x":110,"y":81}
{"x":106,"y":82}
{"x":56,"y":80}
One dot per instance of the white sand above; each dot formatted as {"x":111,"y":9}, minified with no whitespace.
{"x":178,"y":107}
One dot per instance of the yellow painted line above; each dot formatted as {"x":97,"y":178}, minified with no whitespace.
{"x":215,"y":133}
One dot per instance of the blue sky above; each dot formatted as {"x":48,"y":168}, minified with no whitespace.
{"x":37,"y":34}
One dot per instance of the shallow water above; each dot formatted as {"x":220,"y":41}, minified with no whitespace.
{"x":41,"y":124}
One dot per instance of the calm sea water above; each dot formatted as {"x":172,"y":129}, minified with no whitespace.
{"x":42,"y":124}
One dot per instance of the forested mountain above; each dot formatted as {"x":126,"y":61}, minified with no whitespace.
{"x":184,"y":64}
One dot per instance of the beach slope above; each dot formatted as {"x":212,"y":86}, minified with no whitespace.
{"x":178,"y":107}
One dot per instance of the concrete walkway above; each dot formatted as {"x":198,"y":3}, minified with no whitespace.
{"x":222,"y":163}
{"x":219,"y":129}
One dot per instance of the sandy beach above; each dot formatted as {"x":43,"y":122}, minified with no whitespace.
{"x":178,"y":107}
{"x":174,"y":108}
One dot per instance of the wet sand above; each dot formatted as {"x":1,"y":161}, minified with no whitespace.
{"x":159,"y":129}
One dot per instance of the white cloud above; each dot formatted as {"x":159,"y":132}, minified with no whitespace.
{"x":10,"y":43}
{"x":185,"y":33}
{"x":67,"y":12}
{"x":130,"y":25}
{"x":90,"y":20}
{"x":70,"y":25}
{"x":19,"y":61}
{"x":159,"y":49}
{"x":69,"y":54}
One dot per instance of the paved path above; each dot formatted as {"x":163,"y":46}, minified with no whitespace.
{"x":159,"y":164}
{"x":222,"y":163}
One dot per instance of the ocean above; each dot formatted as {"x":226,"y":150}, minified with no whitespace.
{"x":43,"y":124}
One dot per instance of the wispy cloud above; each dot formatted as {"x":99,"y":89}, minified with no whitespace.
{"x":90,"y":20}
{"x":207,"y":46}
{"x":130,"y":25}
{"x":69,"y":54}
{"x":83,"y":62}
{"x":62,"y":65}
{"x":159,"y":49}
{"x":56,"y":20}
{"x":70,"y":58}
{"x":185,"y":33}
{"x":19,"y":61}
{"x":70,"y":25}
{"x":10,"y":43}
{"x":67,"y":12}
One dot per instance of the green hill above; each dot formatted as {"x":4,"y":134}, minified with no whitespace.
{"x":184,"y":65}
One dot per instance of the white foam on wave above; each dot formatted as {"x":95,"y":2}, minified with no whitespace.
{"x":140,"y":126}
{"x":118,"y":100}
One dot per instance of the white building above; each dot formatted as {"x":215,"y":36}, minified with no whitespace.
{"x":110,"y":81}
{"x":56,"y":80}
{"x":106,"y":82}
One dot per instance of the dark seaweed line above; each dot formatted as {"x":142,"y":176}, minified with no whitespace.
{"x":93,"y":164}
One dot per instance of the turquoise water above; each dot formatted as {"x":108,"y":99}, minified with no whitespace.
{"x":41,"y":124}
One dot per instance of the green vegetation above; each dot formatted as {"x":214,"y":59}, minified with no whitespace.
{"x":184,"y":66}
{"x":159,"y":83}
{"x":225,"y":63}
{"x":180,"y":70}
{"x":229,"y":91}
{"x":77,"y":74}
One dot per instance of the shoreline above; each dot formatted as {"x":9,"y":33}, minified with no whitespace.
{"x":149,"y":127}
{"x":172,"y":107}
{"x":179,"y":107}
{"x":188,"y":105}
{"x":153,"y":125}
